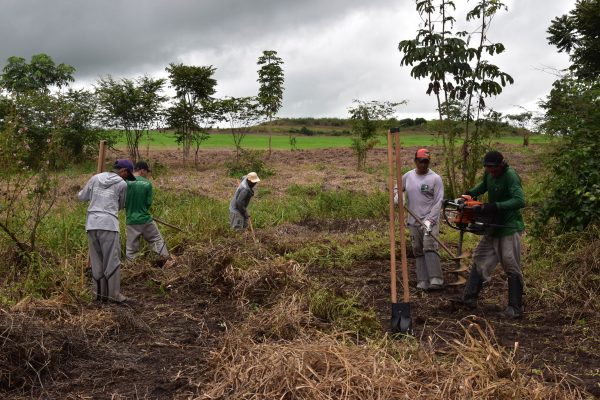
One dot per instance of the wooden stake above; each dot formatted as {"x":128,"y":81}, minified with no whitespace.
{"x":406,"y":291}
{"x":393,"y":278}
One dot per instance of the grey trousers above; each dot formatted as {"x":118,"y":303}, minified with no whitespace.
{"x":425,"y":250}
{"x":505,"y":250}
{"x":105,"y":256}
{"x":237,"y":221}
{"x":151,"y":234}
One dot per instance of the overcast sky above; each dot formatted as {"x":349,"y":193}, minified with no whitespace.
{"x":334,"y":51}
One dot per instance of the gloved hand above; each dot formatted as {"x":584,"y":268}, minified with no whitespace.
{"x":427,"y":226}
{"x":487,"y":208}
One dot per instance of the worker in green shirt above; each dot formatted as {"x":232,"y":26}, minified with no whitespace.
{"x":139,"y":220}
{"x":501,"y":243}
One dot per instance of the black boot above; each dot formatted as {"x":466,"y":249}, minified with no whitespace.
{"x":515,"y":297}
{"x":472,"y":289}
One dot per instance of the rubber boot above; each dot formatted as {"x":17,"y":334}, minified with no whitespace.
{"x":434,"y":270}
{"x":472,"y":289}
{"x":422,"y":277}
{"x":515,"y":297}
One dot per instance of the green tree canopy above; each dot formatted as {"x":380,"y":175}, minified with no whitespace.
{"x":39,"y":74}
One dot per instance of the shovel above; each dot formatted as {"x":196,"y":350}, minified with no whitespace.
{"x":252,"y":229}
{"x":401,"y":321}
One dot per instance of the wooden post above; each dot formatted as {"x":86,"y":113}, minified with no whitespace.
{"x":406,"y":292}
{"x":101,"y":157}
{"x":394,"y":293}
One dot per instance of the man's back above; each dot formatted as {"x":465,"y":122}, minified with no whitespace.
{"x":139,"y":200}
{"x":106,"y":193}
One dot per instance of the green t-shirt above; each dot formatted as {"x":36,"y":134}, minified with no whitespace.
{"x":507,"y":193}
{"x":139,"y":200}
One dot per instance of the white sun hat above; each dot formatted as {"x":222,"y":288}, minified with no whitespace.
{"x":252,"y":177}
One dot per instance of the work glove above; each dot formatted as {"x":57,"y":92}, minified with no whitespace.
{"x":427,"y":227}
{"x":486,"y":208}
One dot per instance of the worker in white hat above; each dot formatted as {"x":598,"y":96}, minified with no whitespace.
{"x":238,"y":208}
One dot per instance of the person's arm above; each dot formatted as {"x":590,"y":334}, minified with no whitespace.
{"x":86,"y":193}
{"x":438,"y":198}
{"x":517,"y":197}
{"x":480,"y":188}
{"x":122,"y":195}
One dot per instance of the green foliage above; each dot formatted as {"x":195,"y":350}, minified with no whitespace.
{"x":577,"y":35}
{"x":194,"y":111}
{"x":39,"y":75}
{"x":270,"y":77}
{"x":249,"y":161}
{"x":131,"y":105}
{"x":240,"y":113}
{"x":367,"y":118}
{"x":459,"y":76}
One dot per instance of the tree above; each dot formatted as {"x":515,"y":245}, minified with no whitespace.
{"x":459,"y":77}
{"x":131,"y":105}
{"x":366,"y":118}
{"x":577,"y":35}
{"x":572,"y":189}
{"x":270,"y":94}
{"x":39,"y":75}
{"x":194,"y":111}
{"x":522,"y":120}
{"x":240,"y":113}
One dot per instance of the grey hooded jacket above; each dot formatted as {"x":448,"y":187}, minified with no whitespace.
{"x":106,"y":193}
{"x":241,"y":198}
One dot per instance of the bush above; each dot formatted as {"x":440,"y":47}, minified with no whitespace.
{"x":249,"y":160}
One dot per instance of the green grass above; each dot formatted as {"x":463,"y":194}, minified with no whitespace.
{"x":280,"y":142}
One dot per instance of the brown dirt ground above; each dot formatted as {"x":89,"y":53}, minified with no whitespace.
{"x":156,"y":348}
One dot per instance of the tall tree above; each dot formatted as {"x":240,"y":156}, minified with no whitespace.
{"x":131,"y":105}
{"x":460,"y":77}
{"x":578,"y":34}
{"x":40,"y":74}
{"x":194,"y":87}
{"x":522,"y":120}
{"x":270,"y":93}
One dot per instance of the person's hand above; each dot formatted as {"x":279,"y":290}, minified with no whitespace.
{"x":427,"y":226}
{"x":486,"y":208}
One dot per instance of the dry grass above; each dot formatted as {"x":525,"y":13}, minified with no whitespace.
{"x":331,"y":367}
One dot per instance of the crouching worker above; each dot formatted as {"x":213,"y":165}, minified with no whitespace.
{"x":424,"y":193}
{"x":238,"y":208}
{"x":106,"y":193}
{"x":139,"y":220}
{"x":501,"y":243}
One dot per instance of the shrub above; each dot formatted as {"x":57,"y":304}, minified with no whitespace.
{"x":249,"y":160}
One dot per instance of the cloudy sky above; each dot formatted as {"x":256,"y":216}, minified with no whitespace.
{"x":334,"y":50}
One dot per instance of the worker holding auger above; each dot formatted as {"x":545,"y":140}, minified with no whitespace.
{"x":501,"y":242}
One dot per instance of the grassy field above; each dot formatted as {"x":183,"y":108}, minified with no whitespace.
{"x":280,"y":142}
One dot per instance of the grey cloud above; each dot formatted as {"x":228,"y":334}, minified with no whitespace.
{"x":334,"y":51}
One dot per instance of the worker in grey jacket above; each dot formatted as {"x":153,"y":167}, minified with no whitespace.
{"x":106,"y":193}
{"x":238,"y":208}
{"x":424,"y":193}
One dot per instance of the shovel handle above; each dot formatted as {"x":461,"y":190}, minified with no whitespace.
{"x":405,"y":288}
{"x":169,"y":225}
{"x":252,"y":229}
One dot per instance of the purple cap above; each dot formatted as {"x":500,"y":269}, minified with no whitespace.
{"x":125,"y":163}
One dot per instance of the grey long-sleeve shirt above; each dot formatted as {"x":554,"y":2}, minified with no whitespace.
{"x":424,"y":195}
{"x":106,"y":193}
{"x":241,"y":198}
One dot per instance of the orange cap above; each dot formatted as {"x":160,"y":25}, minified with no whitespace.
{"x":422,"y":153}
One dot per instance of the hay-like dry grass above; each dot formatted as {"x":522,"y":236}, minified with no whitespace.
{"x":331,"y":367}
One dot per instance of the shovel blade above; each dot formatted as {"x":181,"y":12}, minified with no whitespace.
{"x":460,"y":280}
{"x":401,"y":321}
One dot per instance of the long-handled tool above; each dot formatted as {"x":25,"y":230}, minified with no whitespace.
{"x":169,"y":225}
{"x":252,"y":229}
{"x":454,"y":257}
{"x":401,"y":321}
